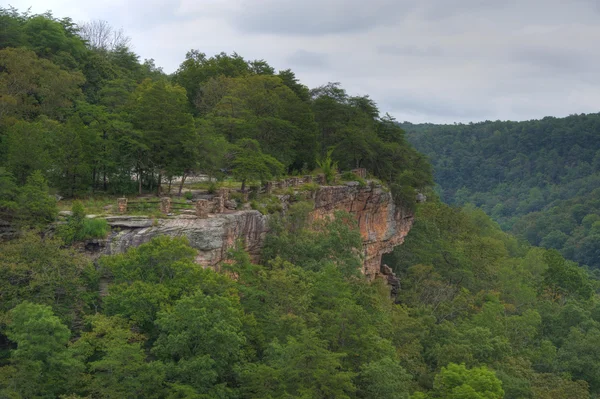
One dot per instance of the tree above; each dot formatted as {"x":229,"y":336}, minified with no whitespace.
{"x":35,"y":206}
{"x":457,"y":382}
{"x":100,"y":36}
{"x":384,"y":379}
{"x":38,"y":270}
{"x":301,"y":367}
{"x":116,"y":361}
{"x":42,"y":366}
{"x":159,"y":111}
{"x":30,"y":86}
{"x":201,"y":339}
{"x":27,"y":150}
{"x":249,"y":163}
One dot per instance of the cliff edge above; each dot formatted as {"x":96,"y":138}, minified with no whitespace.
{"x":383,"y":225}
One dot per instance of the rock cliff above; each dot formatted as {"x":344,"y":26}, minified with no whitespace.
{"x":382,"y":224}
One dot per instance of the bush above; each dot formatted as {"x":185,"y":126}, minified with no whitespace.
{"x":94,"y":228}
{"x":79,"y":228}
{"x":349,"y":176}
{"x":267,"y":206}
{"x":188,"y":195}
{"x":35,"y":207}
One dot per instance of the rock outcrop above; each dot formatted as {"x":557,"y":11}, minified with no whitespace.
{"x":382,"y":224}
{"x":212,"y":237}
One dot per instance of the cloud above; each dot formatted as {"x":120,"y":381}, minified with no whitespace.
{"x":317,"y":17}
{"x":307,"y":59}
{"x":411,"y":50}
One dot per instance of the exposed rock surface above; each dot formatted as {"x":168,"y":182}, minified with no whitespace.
{"x":212,"y":237}
{"x":382,"y":225}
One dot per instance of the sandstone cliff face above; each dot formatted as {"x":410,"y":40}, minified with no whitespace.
{"x":382,"y":225}
{"x":212,"y":237}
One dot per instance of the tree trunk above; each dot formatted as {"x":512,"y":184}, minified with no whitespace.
{"x":140,"y":181}
{"x":243,"y":185}
{"x":94,"y":179}
{"x":181,"y":185}
{"x":170,"y":181}
{"x":158,"y":183}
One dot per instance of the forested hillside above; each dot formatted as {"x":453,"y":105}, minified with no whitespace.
{"x":82,"y":109}
{"x":479,"y":314}
{"x":538,"y":179}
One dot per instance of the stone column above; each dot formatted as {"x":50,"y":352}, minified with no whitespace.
{"x":308,"y":179}
{"x":202,"y":208}
{"x":224,"y":192}
{"x":321,"y":179}
{"x":122,"y":205}
{"x":165,"y":205}
{"x":219,"y":204}
{"x":360,"y":172}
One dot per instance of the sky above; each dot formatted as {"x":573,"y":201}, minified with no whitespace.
{"x":438,"y":61}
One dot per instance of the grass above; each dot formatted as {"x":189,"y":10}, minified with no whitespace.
{"x":93,"y":228}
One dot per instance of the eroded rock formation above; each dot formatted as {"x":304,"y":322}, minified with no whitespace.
{"x":382,"y":224}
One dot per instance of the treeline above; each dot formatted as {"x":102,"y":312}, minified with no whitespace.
{"x":538,"y":179}
{"x":77,"y":105}
{"x":478,"y":315}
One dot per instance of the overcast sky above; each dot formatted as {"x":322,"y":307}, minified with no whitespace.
{"x":421,"y":61}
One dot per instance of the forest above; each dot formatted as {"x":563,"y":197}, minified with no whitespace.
{"x":480,"y":313}
{"x":538,"y":179}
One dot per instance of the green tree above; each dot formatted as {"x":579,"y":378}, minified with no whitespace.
{"x":35,"y":207}
{"x":116,"y":361}
{"x":201,"y":340}
{"x":384,"y":379}
{"x":456,"y":381}
{"x":41,"y":365}
{"x":159,"y":111}
{"x":250,"y":163}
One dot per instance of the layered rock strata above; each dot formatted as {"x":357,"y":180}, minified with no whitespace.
{"x":382,"y":225}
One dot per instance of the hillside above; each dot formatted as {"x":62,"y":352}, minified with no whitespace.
{"x":537,"y":179}
{"x":227,"y":232}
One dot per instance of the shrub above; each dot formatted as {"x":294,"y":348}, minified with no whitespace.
{"x":188,"y":195}
{"x":328,"y":166}
{"x":349,"y":176}
{"x":79,"y":228}
{"x":35,"y":207}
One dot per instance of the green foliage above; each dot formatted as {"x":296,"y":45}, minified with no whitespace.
{"x":41,"y":365}
{"x":39,"y":270}
{"x":457,"y":382}
{"x":35,"y":206}
{"x":250,"y":164}
{"x":328,"y":166}
{"x":310,"y":246}
{"x":531,"y":180}
{"x":267,"y":206}
{"x":80,"y":228}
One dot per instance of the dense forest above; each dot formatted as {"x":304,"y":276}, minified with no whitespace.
{"x":480,"y":314}
{"x":539,"y":179}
